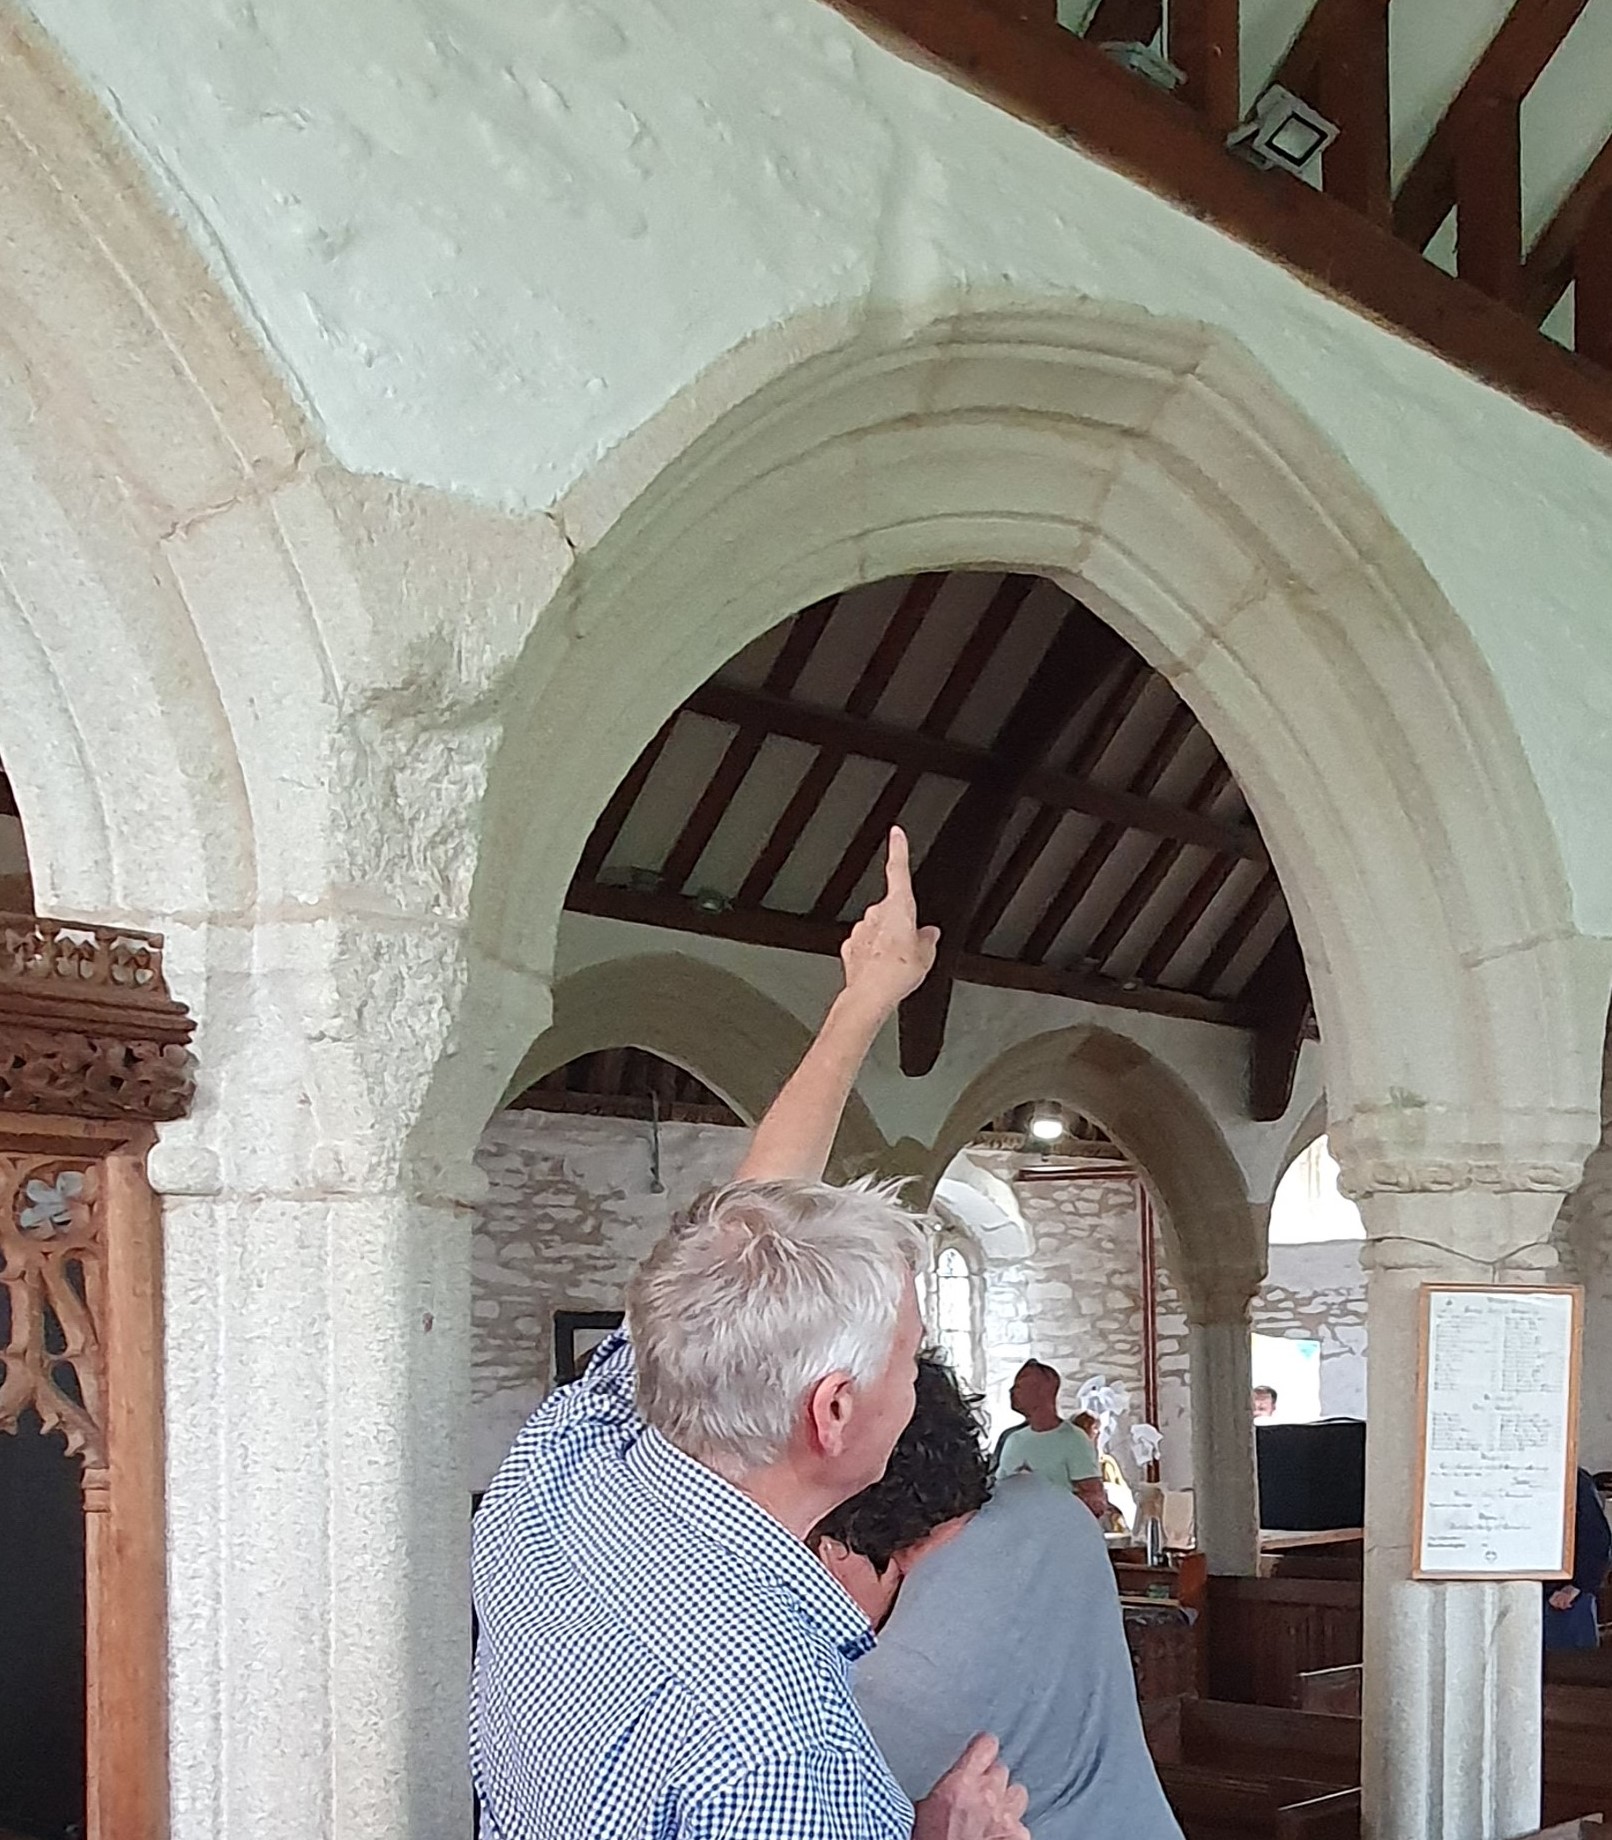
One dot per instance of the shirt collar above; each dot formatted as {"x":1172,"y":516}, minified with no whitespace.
{"x":725,"y":1514}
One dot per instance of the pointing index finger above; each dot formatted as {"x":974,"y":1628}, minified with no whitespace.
{"x":897,"y":868}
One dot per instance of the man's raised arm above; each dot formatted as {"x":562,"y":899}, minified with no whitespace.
{"x":887,"y":956}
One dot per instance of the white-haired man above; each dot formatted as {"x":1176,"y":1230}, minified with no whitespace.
{"x":661,"y":1657}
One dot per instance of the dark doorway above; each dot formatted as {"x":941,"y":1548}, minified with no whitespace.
{"x":42,"y":1678}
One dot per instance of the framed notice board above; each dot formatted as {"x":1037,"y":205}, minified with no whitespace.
{"x":1497,"y":1411}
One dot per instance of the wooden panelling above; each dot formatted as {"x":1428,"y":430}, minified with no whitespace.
{"x":1265,"y":1632}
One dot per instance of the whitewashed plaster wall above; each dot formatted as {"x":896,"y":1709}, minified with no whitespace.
{"x":486,"y":245}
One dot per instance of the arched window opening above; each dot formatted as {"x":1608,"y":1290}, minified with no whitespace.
{"x":1309,"y":1206}
{"x":955,"y":1309}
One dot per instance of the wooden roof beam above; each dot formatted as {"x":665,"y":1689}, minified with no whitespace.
{"x":951,"y":877}
{"x":1055,"y":917}
{"x":1066,"y":85}
{"x":1062,"y":789}
{"x":1551,"y":262}
{"x":1527,"y":40}
{"x":1126,"y":22}
{"x":899,"y":633}
{"x":740,"y":754}
{"x":1278,"y":999}
{"x":1238,"y":932}
{"x":1130,"y":681}
{"x":618,"y":808}
{"x":766,"y":926}
{"x":977,"y":651}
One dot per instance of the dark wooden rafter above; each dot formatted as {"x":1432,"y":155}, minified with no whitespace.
{"x":1592,"y":284}
{"x":1178,"y":726}
{"x":1278,"y":998}
{"x":1351,"y":89}
{"x":620,"y":803}
{"x":1571,"y":235}
{"x":8,"y":799}
{"x":1126,"y":22}
{"x":1204,"y":44}
{"x":1180,"y":926}
{"x":1488,"y":195}
{"x":1125,"y":690}
{"x":626,"y":1082}
{"x":898,"y":635}
{"x":978,"y":650}
{"x":1237,"y":934}
{"x":1084,"y":703}
{"x":914,"y":754}
{"x":1528,"y":38}
{"x":1211,"y":784}
{"x":767,"y":926}
{"x":951,"y":877}
{"x":1065,"y":84}
{"x":740,"y":755}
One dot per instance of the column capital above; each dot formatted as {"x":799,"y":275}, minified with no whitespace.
{"x":1453,"y":1175}
{"x":1411,"y":1146}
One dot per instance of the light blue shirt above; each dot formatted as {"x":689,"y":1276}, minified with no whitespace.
{"x":658,"y":1659}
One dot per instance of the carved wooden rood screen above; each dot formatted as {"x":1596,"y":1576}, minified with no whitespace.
{"x":92,"y":1056}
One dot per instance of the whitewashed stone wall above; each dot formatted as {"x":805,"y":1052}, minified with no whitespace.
{"x":1313,"y":1292}
{"x":1077,"y":1303}
{"x":570,"y":1212}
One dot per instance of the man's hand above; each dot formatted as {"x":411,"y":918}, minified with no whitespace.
{"x":1565,"y":1598}
{"x":975,"y":1800}
{"x":1095,"y":1496}
{"x":888,"y":955}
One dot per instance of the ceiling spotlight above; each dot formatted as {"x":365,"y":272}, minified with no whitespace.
{"x":1046,"y":1127}
{"x":1285,"y":131}
{"x":710,"y":901}
{"x":1145,"y":62}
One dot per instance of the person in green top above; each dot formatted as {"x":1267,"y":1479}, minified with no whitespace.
{"x":1046,"y":1444}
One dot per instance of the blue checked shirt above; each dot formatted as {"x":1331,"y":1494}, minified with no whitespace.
{"x":658,"y":1659}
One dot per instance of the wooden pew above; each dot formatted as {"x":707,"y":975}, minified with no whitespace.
{"x":1211,"y":1805}
{"x":1578,"y":1750}
{"x":1263,"y":1633}
{"x":1587,"y":1827}
{"x":1334,"y":1690}
{"x":1256,"y":1770}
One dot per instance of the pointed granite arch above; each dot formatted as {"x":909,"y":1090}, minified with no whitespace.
{"x":1151,"y":467}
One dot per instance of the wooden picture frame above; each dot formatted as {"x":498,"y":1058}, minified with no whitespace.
{"x":1461,"y":1435}
{"x":576,"y":1334}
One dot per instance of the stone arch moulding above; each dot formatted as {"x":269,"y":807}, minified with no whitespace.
{"x":711,"y":1023}
{"x":1214,"y":1234}
{"x":1152,"y":468}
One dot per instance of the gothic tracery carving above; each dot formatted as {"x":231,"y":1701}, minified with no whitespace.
{"x":50,"y":1273}
{"x":87,"y":1027}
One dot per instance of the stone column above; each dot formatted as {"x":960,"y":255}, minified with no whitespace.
{"x":317,"y":1278}
{"x":1452,"y":1671}
{"x":1223,"y":1431}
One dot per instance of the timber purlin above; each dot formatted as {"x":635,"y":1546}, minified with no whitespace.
{"x":1075,"y":830}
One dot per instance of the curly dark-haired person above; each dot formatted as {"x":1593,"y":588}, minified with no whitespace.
{"x":997,"y":1611}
